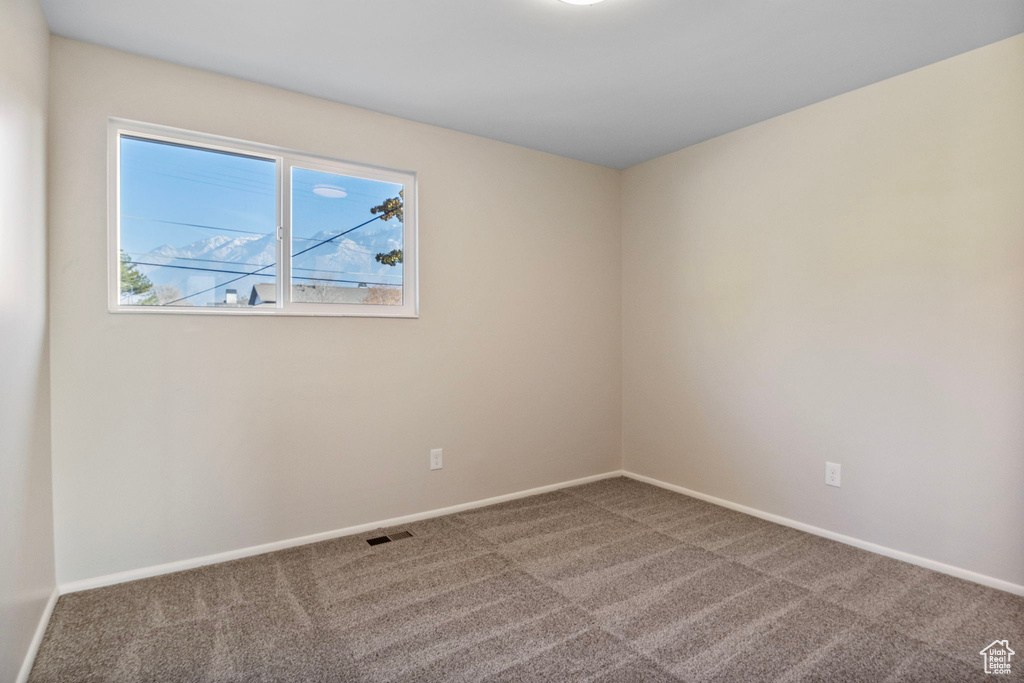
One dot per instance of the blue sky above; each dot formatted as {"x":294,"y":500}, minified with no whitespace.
{"x":167,"y":191}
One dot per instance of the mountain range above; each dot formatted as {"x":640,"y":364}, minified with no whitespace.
{"x":343,"y":259}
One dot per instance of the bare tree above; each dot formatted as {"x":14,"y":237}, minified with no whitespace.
{"x":165,"y":294}
{"x":383,"y":296}
{"x":319,"y":289}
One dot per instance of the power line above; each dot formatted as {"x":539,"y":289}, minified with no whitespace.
{"x":259,"y":270}
{"x":229,"y":181}
{"x":215,"y":178}
{"x":220,"y":229}
{"x":198,"y":225}
{"x":256,"y":274}
{"x":202,"y":260}
{"x":247,"y":263}
{"x":265,"y":181}
{"x":340,"y":234}
{"x":207,"y":270}
{"x":268,"y":192}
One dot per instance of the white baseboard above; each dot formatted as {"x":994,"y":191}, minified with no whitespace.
{"x":180,"y":565}
{"x":170,"y":567}
{"x":37,"y":639}
{"x":958,"y":572}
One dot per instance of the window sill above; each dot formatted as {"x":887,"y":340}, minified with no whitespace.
{"x":275,"y":313}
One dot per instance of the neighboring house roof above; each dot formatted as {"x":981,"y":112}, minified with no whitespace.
{"x":329,"y":294}
{"x":266,"y":293}
{"x":263,"y":293}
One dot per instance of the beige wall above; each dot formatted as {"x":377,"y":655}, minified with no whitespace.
{"x":180,"y":436}
{"x":26,"y":517}
{"x":843,"y":283}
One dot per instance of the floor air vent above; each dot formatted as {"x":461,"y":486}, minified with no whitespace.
{"x":397,"y":536}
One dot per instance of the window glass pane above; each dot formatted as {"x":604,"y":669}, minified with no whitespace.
{"x":346,"y":239}
{"x":198,"y":227}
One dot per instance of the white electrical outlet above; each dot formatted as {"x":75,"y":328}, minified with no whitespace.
{"x":832,"y":471}
{"x":436,"y":462}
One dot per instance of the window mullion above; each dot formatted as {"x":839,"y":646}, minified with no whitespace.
{"x":284,"y":242}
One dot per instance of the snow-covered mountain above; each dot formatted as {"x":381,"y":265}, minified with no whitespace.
{"x":251,"y":249}
{"x":195,"y":263}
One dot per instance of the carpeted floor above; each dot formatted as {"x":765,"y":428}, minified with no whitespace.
{"x":615,"y":581}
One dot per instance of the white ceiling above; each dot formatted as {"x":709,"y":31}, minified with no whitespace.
{"x":615,"y":83}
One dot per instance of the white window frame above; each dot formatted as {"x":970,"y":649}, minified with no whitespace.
{"x":285,"y":160}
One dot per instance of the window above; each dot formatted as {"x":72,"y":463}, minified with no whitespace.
{"x":212,"y":226}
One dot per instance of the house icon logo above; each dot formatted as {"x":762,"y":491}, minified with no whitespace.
{"x":997,"y":657}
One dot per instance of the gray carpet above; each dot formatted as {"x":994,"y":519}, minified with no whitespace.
{"x":615,"y":581}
